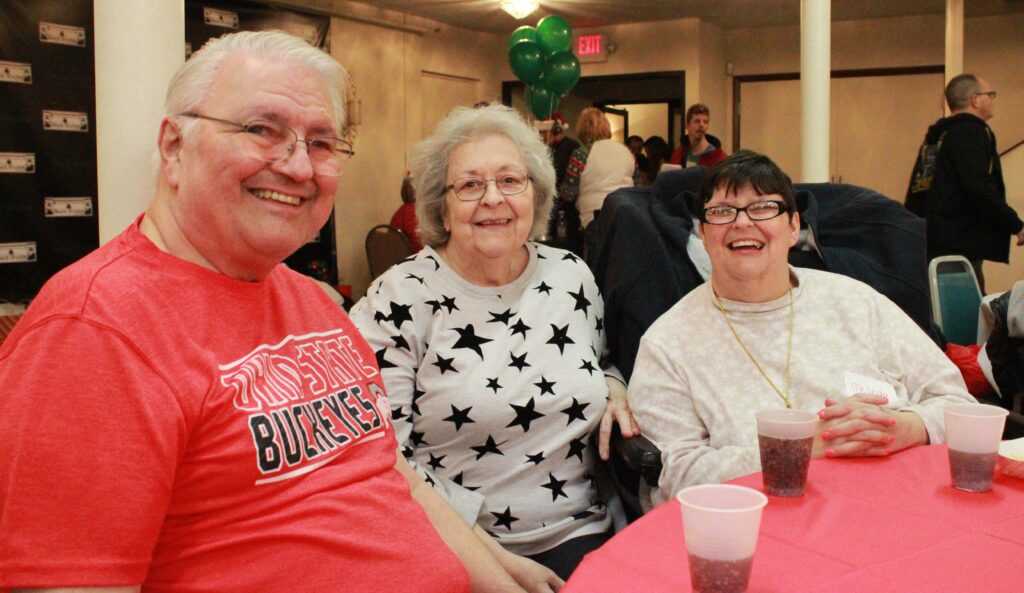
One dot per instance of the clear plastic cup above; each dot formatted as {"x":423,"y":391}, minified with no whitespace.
{"x":973,"y":432}
{"x":721,"y":522}
{"x":786,"y":439}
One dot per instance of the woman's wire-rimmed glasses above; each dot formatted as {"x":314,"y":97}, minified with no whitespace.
{"x":471,"y":189}
{"x":273,"y":142}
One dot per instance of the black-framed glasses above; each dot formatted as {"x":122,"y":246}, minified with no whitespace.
{"x":991,"y":94}
{"x":471,"y":189}
{"x":273,"y":142}
{"x":725,"y":214}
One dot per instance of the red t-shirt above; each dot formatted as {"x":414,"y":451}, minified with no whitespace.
{"x":404,"y":219}
{"x":167,"y":425}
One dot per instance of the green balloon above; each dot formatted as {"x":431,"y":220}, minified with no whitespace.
{"x":527,"y":61}
{"x":524,"y":33}
{"x":542,"y":102}
{"x":553,"y":34}
{"x":561,"y":71}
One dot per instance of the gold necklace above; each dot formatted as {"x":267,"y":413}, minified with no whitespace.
{"x":789,"y":346}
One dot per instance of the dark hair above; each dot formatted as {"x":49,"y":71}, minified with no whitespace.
{"x":748,"y":168}
{"x":960,"y":89}
{"x":408,"y":192}
{"x":634,"y":137}
{"x":697,"y":108}
{"x":658,"y":154}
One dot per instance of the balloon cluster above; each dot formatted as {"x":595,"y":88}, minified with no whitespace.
{"x":540,"y":57}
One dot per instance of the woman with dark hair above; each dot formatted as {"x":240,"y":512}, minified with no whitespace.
{"x":657,"y":155}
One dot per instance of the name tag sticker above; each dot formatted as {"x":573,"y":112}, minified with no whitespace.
{"x":61,"y":34}
{"x":17,"y":162}
{"x":67,"y":207}
{"x":18,"y":72}
{"x":220,"y":18}
{"x":65,"y":121}
{"x":860,"y":384}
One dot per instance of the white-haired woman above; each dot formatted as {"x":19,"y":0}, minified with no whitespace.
{"x":490,"y":347}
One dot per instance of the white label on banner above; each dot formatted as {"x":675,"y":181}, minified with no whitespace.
{"x":62,"y":34}
{"x":12,"y":253}
{"x":61,"y":207}
{"x":220,"y":18}
{"x":65,"y":121}
{"x":188,"y":50}
{"x":17,"y":162}
{"x":16,"y":72}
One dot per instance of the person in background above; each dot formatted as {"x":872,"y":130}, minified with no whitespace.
{"x":404,"y":219}
{"x":762,"y":334}
{"x":564,"y":226}
{"x":490,"y":346}
{"x":597,"y":168}
{"x":216,"y":422}
{"x":657,"y":155}
{"x":965,"y":202}
{"x":636,"y":146}
{"x":698,"y":148}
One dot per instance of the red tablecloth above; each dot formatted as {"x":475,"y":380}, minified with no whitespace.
{"x":878,"y":525}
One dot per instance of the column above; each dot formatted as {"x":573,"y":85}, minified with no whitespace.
{"x":815,"y":78}
{"x":139,"y":46}
{"x":954,"y":40}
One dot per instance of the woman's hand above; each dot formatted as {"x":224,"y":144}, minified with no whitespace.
{"x":616,"y":410}
{"x":861,"y":425}
{"x":532,"y":576}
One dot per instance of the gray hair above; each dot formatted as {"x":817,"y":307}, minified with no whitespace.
{"x":431,"y":157}
{"x":193,"y":80}
{"x":960,"y":90}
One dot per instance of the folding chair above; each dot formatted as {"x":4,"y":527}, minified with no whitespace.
{"x":385,"y":247}
{"x":956,"y":298}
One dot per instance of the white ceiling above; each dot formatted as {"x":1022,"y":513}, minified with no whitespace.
{"x":485,"y":15}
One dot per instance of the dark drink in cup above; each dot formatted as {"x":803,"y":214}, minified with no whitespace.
{"x":972,"y":471}
{"x":719,"y":576}
{"x":784,"y":464}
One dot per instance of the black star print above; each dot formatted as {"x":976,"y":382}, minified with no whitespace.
{"x":417,"y":438}
{"x":577,"y":447}
{"x":546,"y":386}
{"x":518,"y":361}
{"x":460,"y":417}
{"x":574,"y":412}
{"x":435,"y":462}
{"x":398,"y":414}
{"x":543,"y":288}
{"x":505,"y":519}
{"x":399,"y":314}
{"x":535,"y":459}
{"x":520,"y":328}
{"x":586,"y":366}
{"x":555,"y":486}
{"x":559,"y":337}
{"x":582,"y":515}
{"x":571,"y":257}
{"x":469,"y":340}
{"x":581,"y":301}
{"x":501,"y":317}
{"x":524,"y":415}
{"x":489,"y":447}
{"x":407,"y":452}
{"x":400,"y":341}
{"x":379,"y":316}
{"x":382,"y":363}
{"x":429,"y":480}
{"x":416,"y":393}
{"x":414,"y":277}
{"x":437,"y":266}
{"x":434,"y":305}
{"x":600,"y":324}
{"x":493,"y":384}
{"x":445,"y":364}
{"x":458,"y":480}
{"x":540,"y":255}
{"x":449,"y":303}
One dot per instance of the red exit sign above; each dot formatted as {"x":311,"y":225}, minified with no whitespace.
{"x":591,"y":48}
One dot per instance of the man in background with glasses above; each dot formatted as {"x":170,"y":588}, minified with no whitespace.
{"x":182,"y":412}
{"x":957,"y":182}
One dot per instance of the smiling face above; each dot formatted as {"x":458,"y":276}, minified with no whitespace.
{"x":494,"y":228}
{"x":749,"y":258}
{"x":240,"y":214}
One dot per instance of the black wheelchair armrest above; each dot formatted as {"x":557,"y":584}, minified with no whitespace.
{"x":637,"y":453}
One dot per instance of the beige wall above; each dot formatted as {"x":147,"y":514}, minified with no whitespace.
{"x":406,"y":82}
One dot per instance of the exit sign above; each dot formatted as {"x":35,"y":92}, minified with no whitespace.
{"x":591,"y":48}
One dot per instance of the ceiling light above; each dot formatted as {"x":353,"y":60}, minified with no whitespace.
{"x":519,"y":9}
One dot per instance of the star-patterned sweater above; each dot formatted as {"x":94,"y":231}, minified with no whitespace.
{"x":694,"y":391}
{"x":494,"y":391}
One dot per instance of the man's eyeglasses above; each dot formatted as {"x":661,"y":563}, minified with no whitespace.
{"x":766,"y":210}
{"x":273,"y":142}
{"x":471,"y":189}
{"x":991,"y":94}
